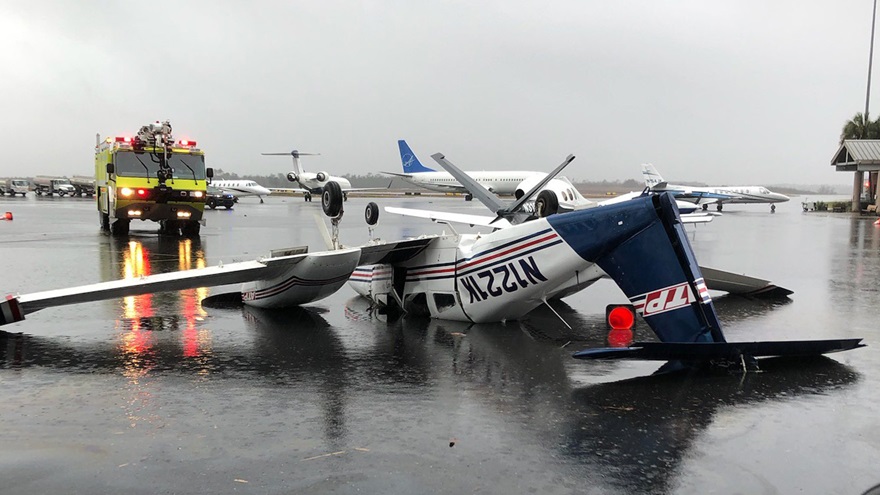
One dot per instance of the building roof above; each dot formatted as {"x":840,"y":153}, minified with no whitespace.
{"x":857,"y":155}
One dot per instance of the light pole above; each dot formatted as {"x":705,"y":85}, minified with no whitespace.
{"x":870,"y":63}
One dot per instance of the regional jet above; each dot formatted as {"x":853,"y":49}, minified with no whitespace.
{"x":315,"y":182}
{"x":719,"y":195}
{"x":504,"y":182}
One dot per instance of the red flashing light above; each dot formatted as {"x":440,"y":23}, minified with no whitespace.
{"x":620,"y":316}
{"x":142,"y":192}
{"x":186,"y":143}
{"x":123,"y":139}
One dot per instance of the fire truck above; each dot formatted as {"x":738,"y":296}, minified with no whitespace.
{"x":150,"y":176}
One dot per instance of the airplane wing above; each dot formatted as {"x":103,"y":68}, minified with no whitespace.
{"x":394,"y":252}
{"x":697,"y":217}
{"x":441,"y":216}
{"x":288,"y":189}
{"x":181,"y":280}
{"x":361,"y":189}
{"x":352,"y":189}
{"x":404,"y":176}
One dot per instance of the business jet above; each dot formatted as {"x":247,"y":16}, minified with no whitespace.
{"x":499,"y":276}
{"x":242,"y":188}
{"x":704,"y":196}
{"x":314,"y":182}
{"x":504,"y":182}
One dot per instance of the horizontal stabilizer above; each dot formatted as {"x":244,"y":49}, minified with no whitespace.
{"x":711,"y":351}
{"x":742,"y":285}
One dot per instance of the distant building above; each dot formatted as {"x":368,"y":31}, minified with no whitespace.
{"x":860,"y":156}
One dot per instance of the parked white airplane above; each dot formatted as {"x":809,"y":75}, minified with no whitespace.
{"x":496,"y":181}
{"x":313,"y":182}
{"x":499,"y":276}
{"x":556,"y":194}
{"x":242,"y":188}
{"x":719,"y":195}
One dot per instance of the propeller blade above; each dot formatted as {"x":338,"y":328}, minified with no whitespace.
{"x":489,"y":199}
{"x":540,"y":185}
{"x":291,"y":153}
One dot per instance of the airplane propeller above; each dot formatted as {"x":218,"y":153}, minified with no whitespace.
{"x":293,"y":153}
{"x":512,"y":212}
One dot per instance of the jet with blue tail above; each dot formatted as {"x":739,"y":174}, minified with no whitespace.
{"x":499,"y":276}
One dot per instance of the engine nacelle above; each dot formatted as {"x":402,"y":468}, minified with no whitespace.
{"x":567,"y":195}
{"x":292,"y":177}
{"x":322,"y":176}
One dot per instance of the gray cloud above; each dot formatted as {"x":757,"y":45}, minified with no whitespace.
{"x":722,"y":92}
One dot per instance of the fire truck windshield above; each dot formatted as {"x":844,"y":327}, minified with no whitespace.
{"x":184,"y":166}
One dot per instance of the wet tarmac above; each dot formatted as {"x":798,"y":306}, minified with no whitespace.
{"x":156,"y":394}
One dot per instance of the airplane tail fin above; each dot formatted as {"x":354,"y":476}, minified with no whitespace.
{"x":652,"y":176}
{"x":409,"y":159}
{"x":295,"y":154}
{"x":650,"y":258}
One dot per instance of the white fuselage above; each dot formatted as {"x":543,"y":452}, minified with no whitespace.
{"x":241,"y":188}
{"x":483,"y":278}
{"x":740,"y":194}
{"x":309,"y":180}
{"x":499,"y":182}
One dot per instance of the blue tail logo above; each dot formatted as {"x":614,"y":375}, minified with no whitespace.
{"x":410,"y":162}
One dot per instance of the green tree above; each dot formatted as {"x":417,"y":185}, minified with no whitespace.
{"x":858,"y":128}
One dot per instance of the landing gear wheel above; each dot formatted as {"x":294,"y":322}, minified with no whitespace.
{"x":546,"y":204}
{"x":331,"y":199}
{"x":705,"y":207}
{"x":371,"y":213}
{"x":719,"y":207}
{"x":120,"y":227}
{"x":468,"y":197}
{"x":772,"y":208}
{"x":307,"y":196}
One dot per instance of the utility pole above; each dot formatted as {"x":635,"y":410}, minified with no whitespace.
{"x":870,"y":63}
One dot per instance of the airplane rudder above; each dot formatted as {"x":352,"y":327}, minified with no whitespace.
{"x":409,"y":160}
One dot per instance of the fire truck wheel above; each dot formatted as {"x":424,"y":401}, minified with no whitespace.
{"x":120,"y":227}
{"x":190,"y":229}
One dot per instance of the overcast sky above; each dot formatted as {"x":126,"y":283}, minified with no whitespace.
{"x":735,"y":92}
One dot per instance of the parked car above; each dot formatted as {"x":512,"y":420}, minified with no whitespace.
{"x":218,"y":197}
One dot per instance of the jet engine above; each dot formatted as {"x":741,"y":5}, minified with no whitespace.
{"x":291,"y":176}
{"x":322,"y":176}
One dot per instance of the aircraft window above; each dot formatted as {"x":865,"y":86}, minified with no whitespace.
{"x":764,"y":190}
{"x":443,"y":301}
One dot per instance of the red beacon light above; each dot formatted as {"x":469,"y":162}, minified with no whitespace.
{"x":123,"y":139}
{"x":620,"y":319}
{"x":186,"y":143}
{"x":620,"y":316}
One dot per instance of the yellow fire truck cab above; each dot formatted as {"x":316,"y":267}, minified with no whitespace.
{"x":150,"y":176}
